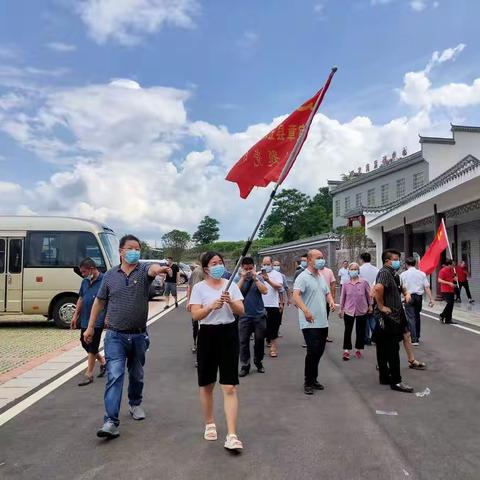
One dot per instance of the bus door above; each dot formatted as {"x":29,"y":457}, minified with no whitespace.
{"x":13,"y":275}
{"x":3,"y":273}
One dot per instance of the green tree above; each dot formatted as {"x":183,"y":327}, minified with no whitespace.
{"x":207,"y":231}
{"x":175,"y":243}
{"x":150,"y":253}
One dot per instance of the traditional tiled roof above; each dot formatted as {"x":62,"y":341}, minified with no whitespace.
{"x":299,"y":243}
{"x":378,"y":172}
{"x":465,"y":128}
{"x":468,"y":164}
{"x":441,"y":140}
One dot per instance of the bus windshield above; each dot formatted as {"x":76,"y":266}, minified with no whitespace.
{"x":110,"y":244}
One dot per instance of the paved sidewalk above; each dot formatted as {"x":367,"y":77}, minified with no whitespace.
{"x":462,"y":312}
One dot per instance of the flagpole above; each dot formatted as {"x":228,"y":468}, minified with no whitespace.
{"x":449,"y":247}
{"x":283,"y":174}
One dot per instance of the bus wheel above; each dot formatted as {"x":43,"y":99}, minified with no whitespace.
{"x":63,"y":311}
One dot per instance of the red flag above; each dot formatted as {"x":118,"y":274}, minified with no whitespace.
{"x":266,"y":160}
{"x":429,"y":262}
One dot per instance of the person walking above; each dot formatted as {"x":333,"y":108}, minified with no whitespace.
{"x":92,"y":279}
{"x":254,"y":320}
{"x":284,"y":292}
{"x":369,"y":273}
{"x":415,"y":282}
{"x":171,"y":281}
{"x":391,"y":321}
{"x":301,"y":266}
{"x":217,"y":344}
{"x":274,"y":283}
{"x":124,"y":292}
{"x":343,"y":276}
{"x":462,"y":276}
{"x":355,"y":306}
{"x":311,"y":295}
{"x":447,"y":280}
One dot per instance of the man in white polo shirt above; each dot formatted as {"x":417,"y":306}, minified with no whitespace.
{"x":415,"y":282}
{"x":369,"y":273}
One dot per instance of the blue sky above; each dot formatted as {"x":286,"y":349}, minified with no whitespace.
{"x":206,"y":66}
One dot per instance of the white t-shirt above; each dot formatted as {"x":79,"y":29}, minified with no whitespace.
{"x":271,"y":299}
{"x":344,"y":276}
{"x":414,"y":281}
{"x":369,"y":273}
{"x":203,"y":294}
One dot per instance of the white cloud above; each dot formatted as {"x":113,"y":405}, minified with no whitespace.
{"x":61,"y":47}
{"x":248,"y":40}
{"x":415,"y":5}
{"x":418,"y":5}
{"x":127,"y":21}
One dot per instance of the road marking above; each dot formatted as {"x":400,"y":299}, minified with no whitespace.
{"x":35,"y":397}
{"x":383,"y":412}
{"x":455,"y":325}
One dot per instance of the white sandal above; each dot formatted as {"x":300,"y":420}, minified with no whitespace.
{"x":233,"y":443}
{"x":210,"y":432}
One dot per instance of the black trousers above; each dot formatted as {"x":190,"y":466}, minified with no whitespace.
{"x":316,"y":339}
{"x":467,"y":289}
{"x":195,"y":330}
{"x":274,"y":319}
{"x":359,"y":331}
{"x":388,"y":356}
{"x":448,"y":310}
{"x":247,"y":326}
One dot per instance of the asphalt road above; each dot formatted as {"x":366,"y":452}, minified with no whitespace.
{"x":335,"y":434}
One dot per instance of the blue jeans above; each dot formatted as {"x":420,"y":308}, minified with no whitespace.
{"x":121,"y":348}
{"x":369,"y":327}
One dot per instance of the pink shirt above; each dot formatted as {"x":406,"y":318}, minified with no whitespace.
{"x":327,"y":275}
{"x":355,"y":298}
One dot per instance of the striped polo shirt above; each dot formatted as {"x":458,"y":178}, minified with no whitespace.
{"x":126,"y":297}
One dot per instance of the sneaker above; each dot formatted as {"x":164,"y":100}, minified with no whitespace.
{"x":260,"y":368}
{"x":318,"y":386}
{"x":137,"y":412}
{"x":346,"y":356}
{"x":109,"y":430}
{"x":244,"y":371}
{"x":308,"y":390}
{"x":304,"y":345}
{"x":232,"y":442}
{"x":415,"y":344}
{"x":401,"y":387}
{"x":358,"y":354}
{"x":103,"y":370}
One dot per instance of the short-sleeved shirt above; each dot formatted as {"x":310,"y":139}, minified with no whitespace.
{"x":447,"y":274}
{"x":414,"y":281}
{"x":88,"y":292}
{"x":462,"y":273}
{"x":272,"y":298}
{"x":298,"y":271}
{"x":173,"y":277}
{"x":314,"y":290}
{"x":203,"y":294}
{"x":344,"y":276}
{"x":327,"y":275}
{"x":196,"y":277}
{"x":391,"y":283}
{"x":369,"y":272}
{"x":252,"y":298}
{"x":127,"y":297}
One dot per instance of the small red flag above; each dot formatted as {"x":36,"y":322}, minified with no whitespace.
{"x":265,"y":161}
{"x":429,"y":262}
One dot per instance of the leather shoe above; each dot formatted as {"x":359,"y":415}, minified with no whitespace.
{"x":244,"y":372}
{"x":260,"y":367}
{"x":318,"y":386}
{"x":400,"y":387}
{"x":308,"y":390}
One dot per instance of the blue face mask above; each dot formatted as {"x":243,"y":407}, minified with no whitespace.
{"x":132,"y":256}
{"x":276,"y":268}
{"x":216,"y":271}
{"x":268,"y":268}
{"x":353,"y":273}
{"x":319,"y":263}
{"x":395,"y":264}
{"x":303,"y":264}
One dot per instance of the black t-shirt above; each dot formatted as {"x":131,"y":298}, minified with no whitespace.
{"x":173,"y":277}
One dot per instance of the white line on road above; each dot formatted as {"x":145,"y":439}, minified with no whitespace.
{"x":35,"y":397}
{"x":454,"y":325}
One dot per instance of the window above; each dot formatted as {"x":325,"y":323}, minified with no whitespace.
{"x":385,"y":194}
{"x":110,"y":244}
{"x":347,"y":204}
{"x":371,"y":197}
{"x":358,"y":200}
{"x":400,"y":187}
{"x":61,"y":249}
{"x":15,"y":254}
{"x":2,"y":255}
{"x":337,"y":208}
{"x":417,"y":180}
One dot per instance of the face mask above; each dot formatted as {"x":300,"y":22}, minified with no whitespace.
{"x":303,"y":264}
{"x":395,"y":264}
{"x":268,"y":268}
{"x":216,"y":271}
{"x":89,"y":277}
{"x":353,"y":273}
{"x":276,"y":268}
{"x":319,"y":263}
{"x":132,"y":256}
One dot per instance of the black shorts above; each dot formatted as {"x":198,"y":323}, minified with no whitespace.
{"x":218,"y":350}
{"x":274,"y":318}
{"x":93,"y":346}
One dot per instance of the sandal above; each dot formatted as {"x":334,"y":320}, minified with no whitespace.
{"x":210,"y":432}
{"x":233,"y":443}
{"x":416,"y":365}
{"x":85,"y":381}
{"x":273,"y":354}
